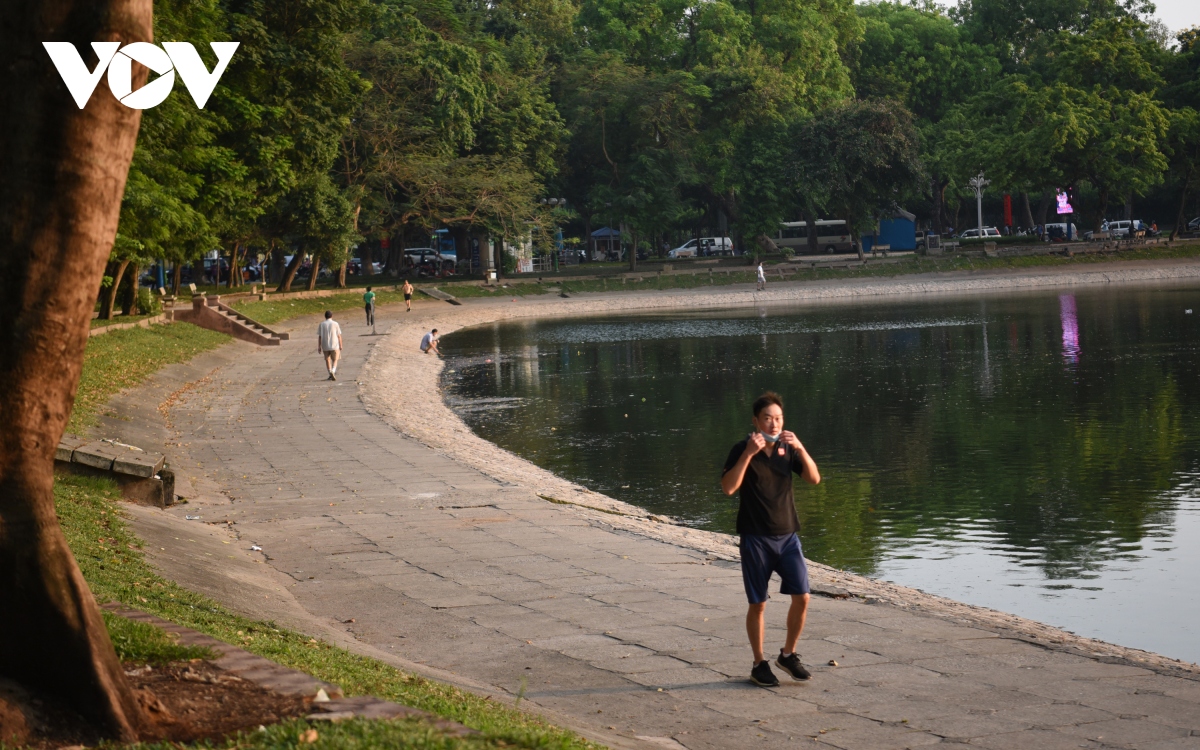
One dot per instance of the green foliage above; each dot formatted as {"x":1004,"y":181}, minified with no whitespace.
{"x":857,"y":159}
{"x":347,"y":120}
{"x":113,"y":564}
{"x":147,"y":303}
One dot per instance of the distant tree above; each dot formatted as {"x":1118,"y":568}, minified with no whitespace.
{"x":856,"y":159}
{"x":1183,"y":147}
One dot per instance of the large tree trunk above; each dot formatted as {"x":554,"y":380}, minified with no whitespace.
{"x":176,"y":276}
{"x":316,"y":269}
{"x":857,"y":240}
{"x":632,"y":250}
{"x":1181,"y":217}
{"x":1099,"y":222}
{"x":814,"y":239}
{"x":289,"y":275}
{"x":108,"y":296}
{"x":341,"y":281}
{"x":64,"y":174}
{"x":1044,"y":206}
{"x":938,"y":189}
{"x":129,"y":298}
{"x":1026,"y":214}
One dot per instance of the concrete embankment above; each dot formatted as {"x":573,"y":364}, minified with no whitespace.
{"x":374,"y":503}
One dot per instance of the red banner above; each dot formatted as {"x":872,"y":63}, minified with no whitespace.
{"x":1008,"y":210}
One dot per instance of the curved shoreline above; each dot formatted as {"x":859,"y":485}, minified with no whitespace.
{"x":396,"y":370}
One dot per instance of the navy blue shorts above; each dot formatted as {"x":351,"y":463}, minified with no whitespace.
{"x":763,"y":555}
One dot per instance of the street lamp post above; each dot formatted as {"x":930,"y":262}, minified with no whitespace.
{"x":977,"y":183}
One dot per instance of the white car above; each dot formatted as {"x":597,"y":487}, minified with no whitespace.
{"x":703,"y":246}
{"x":987,"y":232}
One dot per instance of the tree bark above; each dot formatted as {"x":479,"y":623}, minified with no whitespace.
{"x":341,"y":282}
{"x":176,"y":277}
{"x":1026,"y":214}
{"x":1103,"y":210}
{"x":316,"y":269}
{"x":108,"y":297}
{"x":64,"y":175}
{"x":814,"y":241}
{"x":1044,"y":206}
{"x":289,"y":274}
{"x":938,"y":188}
{"x":857,"y":240}
{"x":1181,"y":217}
{"x":129,"y":299}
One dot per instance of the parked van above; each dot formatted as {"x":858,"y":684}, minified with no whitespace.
{"x":832,"y":236}
{"x":704,"y":246}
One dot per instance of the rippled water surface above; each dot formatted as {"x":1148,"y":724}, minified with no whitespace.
{"x":1034,"y":453}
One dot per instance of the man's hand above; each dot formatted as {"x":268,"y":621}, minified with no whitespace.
{"x":755,"y":443}
{"x":790,"y":438}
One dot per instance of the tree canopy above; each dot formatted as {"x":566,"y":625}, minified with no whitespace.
{"x":353,"y":122}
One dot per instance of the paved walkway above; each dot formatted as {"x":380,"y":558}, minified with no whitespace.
{"x":629,"y":640}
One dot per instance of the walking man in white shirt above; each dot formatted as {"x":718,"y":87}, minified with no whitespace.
{"x":762,"y":278}
{"x":329,"y":343}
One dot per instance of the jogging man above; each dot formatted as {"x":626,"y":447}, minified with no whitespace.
{"x":761,"y":467}
{"x":369,"y":303}
{"x":408,"y":290}
{"x":429,"y":343}
{"x":329,"y":343}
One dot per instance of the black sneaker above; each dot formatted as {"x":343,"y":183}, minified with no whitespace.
{"x":791,"y":664}
{"x":762,"y":675}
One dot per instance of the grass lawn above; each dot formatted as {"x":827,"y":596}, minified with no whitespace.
{"x":116,"y":570}
{"x":122,"y":359}
{"x":270,"y":311}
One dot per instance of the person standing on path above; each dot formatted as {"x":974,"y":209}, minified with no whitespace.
{"x":408,"y":291}
{"x":369,"y":302}
{"x":429,"y":343}
{"x":761,"y":468}
{"x":762,"y":278}
{"x":329,"y":343}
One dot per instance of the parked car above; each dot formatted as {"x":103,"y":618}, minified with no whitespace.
{"x":1194,"y":225}
{"x":1057,"y":232}
{"x":987,"y":233}
{"x":703,"y":246}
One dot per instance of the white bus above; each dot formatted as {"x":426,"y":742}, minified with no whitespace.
{"x":833,"y":236}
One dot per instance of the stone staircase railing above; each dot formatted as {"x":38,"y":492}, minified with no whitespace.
{"x":210,"y":312}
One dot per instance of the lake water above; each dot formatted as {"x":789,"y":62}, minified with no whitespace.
{"x":1034,"y":453}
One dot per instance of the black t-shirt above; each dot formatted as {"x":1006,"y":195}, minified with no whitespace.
{"x":768,"y":507}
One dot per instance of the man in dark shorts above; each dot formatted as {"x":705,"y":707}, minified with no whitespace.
{"x":761,"y":467}
{"x":369,"y":303}
{"x":408,"y":292}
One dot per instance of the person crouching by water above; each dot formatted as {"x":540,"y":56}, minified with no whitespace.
{"x":761,"y":468}
{"x":329,"y":343}
{"x":429,"y":343}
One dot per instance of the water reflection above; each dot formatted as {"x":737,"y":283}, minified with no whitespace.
{"x":1070,"y":328}
{"x":989,"y":473}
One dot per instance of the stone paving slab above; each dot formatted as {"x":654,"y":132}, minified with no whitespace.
{"x":359,"y":521}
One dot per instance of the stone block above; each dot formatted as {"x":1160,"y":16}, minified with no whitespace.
{"x":139,"y":463}
{"x":67,"y":446}
{"x":96,"y":454}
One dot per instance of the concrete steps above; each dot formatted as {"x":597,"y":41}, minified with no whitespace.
{"x":210,"y":312}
